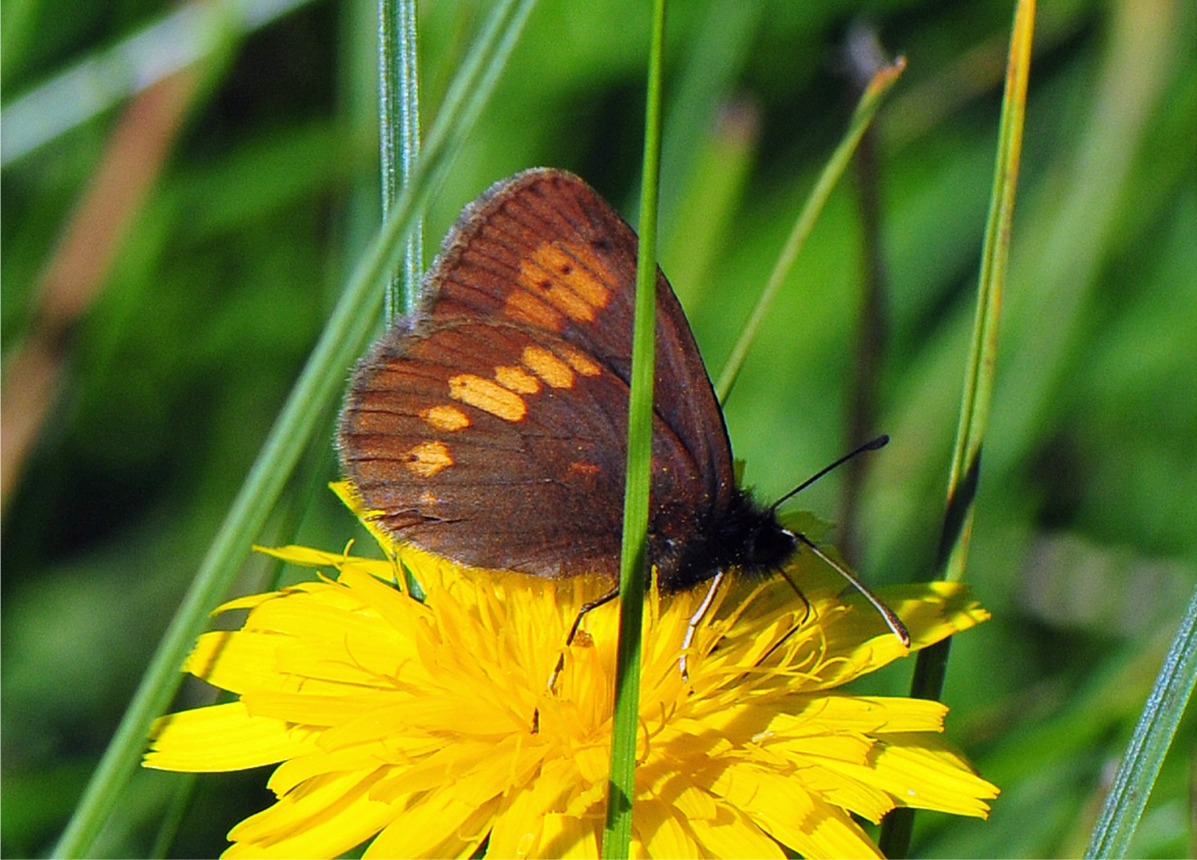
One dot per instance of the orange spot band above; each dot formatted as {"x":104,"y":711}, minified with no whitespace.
{"x":488,"y":396}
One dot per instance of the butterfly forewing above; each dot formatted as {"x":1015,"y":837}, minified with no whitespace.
{"x":545,"y":249}
{"x":491,"y":427}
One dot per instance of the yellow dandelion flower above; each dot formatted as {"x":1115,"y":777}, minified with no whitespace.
{"x":409,"y":724}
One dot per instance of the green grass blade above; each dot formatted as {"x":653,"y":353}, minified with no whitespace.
{"x":617,"y":838}
{"x":353,"y":319}
{"x":978,"y":380}
{"x":931,"y":666}
{"x":1150,"y":742}
{"x":413,"y":255}
{"x":399,"y":137}
{"x":866,"y":109}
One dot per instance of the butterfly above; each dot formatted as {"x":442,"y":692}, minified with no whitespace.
{"x":490,"y":426}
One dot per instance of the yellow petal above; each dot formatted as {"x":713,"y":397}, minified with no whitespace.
{"x":826,"y":832}
{"x":569,"y":837}
{"x":660,"y":831}
{"x":319,"y":764}
{"x":221,"y":738}
{"x":732,"y":834}
{"x":323,"y":818}
{"x":844,"y":713}
{"x":435,"y":825}
{"x":522,"y":827}
{"x":925,"y":772}
{"x":303,"y":556}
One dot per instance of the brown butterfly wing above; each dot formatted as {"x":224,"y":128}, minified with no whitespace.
{"x":545,"y":249}
{"x":491,"y":429}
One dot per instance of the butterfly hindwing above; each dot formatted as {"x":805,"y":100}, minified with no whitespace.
{"x":498,"y":463}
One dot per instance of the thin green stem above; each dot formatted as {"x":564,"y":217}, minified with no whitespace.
{"x":617,"y":838}
{"x":351,"y":322}
{"x":399,"y":137}
{"x":1150,"y":742}
{"x":978,"y":381}
{"x":931,"y":666}
{"x":413,"y":255}
{"x":866,"y":108}
{"x":389,"y":130}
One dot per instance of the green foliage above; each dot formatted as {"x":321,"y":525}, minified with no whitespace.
{"x":1084,"y":548}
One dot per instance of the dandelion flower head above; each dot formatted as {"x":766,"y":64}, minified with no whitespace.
{"x":425,"y":727}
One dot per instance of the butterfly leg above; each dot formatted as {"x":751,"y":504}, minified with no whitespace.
{"x":695,"y":620}
{"x":806,"y":614}
{"x":892,"y":621}
{"x":569,"y":640}
{"x":585,"y":609}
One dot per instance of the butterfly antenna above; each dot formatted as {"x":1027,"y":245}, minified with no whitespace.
{"x":891,"y":619}
{"x":872,"y":445}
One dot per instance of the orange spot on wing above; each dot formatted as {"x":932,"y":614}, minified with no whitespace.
{"x":580,"y":361}
{"x":555,"y":275}
{"x":428,"y":458}
{"x":447,"y":418}
{"x":524,"y":307}
{"x":517,"y":379}
{"x":548,"y":367}
{"x":488,"y":396}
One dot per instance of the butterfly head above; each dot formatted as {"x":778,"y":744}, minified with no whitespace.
{"x":743,"y":536}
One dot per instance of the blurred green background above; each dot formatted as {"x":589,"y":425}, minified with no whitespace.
{"x":169,"y":261}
